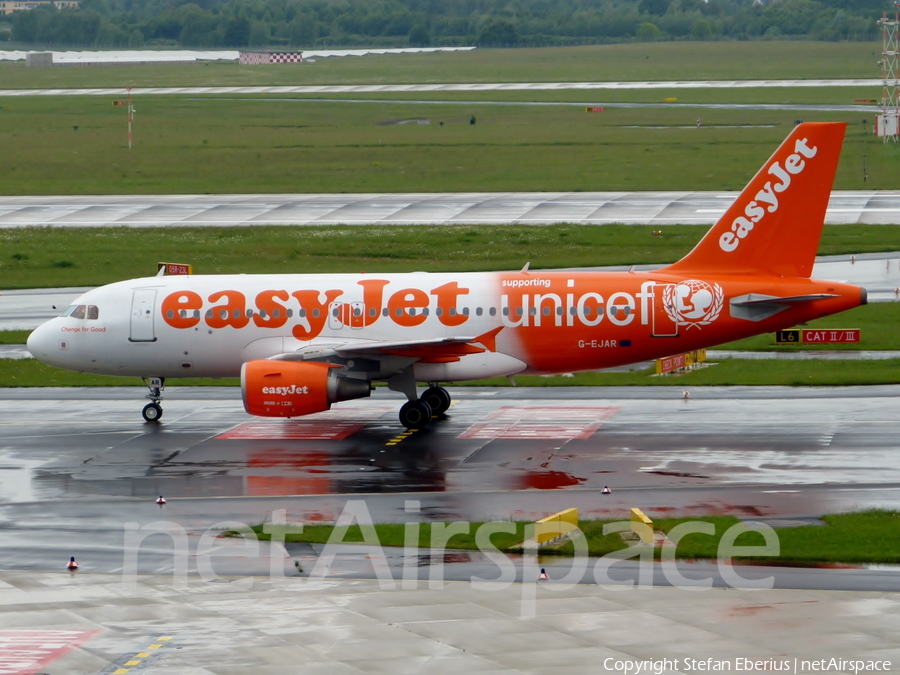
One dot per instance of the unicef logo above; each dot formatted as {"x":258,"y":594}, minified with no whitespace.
{"x":693,"y":302}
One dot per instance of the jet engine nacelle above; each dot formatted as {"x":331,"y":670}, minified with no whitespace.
{"x":295,"y":388}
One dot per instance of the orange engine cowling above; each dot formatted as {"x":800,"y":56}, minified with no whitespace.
{"x":295,"y":388}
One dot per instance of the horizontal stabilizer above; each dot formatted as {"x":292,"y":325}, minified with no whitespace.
{"x":757,"y":307}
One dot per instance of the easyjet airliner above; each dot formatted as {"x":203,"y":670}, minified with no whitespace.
{"x":303,"y":342}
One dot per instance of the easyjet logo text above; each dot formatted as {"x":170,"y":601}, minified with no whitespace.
{"x":285,"y":391}
{"x":766,"y":200}
{"x":308,"y":312}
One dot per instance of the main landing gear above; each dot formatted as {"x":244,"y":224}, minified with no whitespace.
{"x":153,"y":411}
{"x":417,"y":412}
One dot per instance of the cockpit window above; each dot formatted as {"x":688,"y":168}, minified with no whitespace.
{"x":90,"y":312}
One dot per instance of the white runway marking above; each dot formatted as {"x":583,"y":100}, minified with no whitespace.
{"x":498,"y":208}
{"x":464,"y":87}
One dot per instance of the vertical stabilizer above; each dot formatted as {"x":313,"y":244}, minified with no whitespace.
{"x":774,"y":226}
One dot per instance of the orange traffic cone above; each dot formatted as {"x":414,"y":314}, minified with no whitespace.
{"x":605,"y":490}
{"x":72,"y":566}
{"x":543,"y":574}
{"x":161,"y":500}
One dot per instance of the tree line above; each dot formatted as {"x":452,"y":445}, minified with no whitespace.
{"x":318,"y":23}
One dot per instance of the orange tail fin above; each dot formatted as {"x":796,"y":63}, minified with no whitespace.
{"x":774,"y":226}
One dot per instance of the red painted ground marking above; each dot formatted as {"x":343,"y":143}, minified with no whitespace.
{"x":287,"y":462}
{"x":23,"y":652}
{"x":544,"y":422}
{"x":283,"y":430}
{"x":573,"y":431}
{"x":331,"y":425}
{"x":553,"y":414}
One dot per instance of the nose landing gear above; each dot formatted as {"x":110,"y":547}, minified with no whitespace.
{"x":153,"y":411}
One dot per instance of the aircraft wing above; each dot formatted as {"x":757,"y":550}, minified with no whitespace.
{"x":433,"y":350}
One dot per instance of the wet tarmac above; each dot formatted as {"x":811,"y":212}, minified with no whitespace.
{"x":76,"y":465}
{"x":343,"y":627}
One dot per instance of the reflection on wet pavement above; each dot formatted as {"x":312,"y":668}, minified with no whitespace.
{"x":487,"y":444}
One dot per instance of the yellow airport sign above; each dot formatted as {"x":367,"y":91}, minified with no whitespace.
{"x":642,"y":526}
{"x":555,"y":526}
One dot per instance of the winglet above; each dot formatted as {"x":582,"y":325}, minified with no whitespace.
{"x":775,"y":224}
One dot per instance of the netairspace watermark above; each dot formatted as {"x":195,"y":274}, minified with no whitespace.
{"x":509,"y":570}
{"x":792,"y":666}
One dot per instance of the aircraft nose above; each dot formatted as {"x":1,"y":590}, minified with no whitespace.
{"x":42,"y":343}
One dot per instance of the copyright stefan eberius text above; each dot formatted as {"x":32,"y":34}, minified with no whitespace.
{"x":741,"y":664}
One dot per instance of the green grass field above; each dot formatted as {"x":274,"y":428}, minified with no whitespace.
{"x":640,"y":61}
{"x":196,"y":145}
{"x":862,"y":537}
{"x":286,"y":144}
{"x":57,"y":257}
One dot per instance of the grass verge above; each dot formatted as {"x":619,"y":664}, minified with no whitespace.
{"x":862,"y":537}
{"x":728,"y":372}
{"x":726,"y":60}
{"x":44,"y":258}
{"x":197,"y":145}
{"x":14,"y":337}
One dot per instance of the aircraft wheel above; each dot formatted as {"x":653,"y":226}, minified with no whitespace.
{"x":152,"y":412}
{"x":415,"y":414}
{"x":437,"y":399}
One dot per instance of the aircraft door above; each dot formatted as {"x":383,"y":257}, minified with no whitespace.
{"x":143,"y":304}
{"x":663,"y":310}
